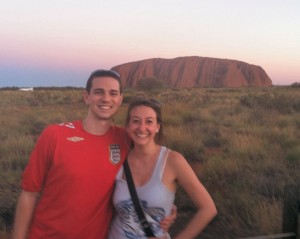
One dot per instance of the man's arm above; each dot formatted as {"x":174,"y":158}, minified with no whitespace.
{"x":24,"y":211}
{"x":168,"y":221}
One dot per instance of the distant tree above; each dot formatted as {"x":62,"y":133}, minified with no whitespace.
{"x":296,"y":85}
{"x":10,"y":88}
{"x":150,"y":83}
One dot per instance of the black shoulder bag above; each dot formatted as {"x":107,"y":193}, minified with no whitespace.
{"x":144,"y":222}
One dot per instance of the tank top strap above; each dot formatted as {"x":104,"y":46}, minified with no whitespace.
{"x":164,"y":161}
{"x":157,"y":168}
{"x":160,"y":164}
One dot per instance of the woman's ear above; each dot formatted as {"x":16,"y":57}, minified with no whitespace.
{"x":158,"y":128}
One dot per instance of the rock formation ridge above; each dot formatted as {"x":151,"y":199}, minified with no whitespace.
{"x":194,"y":71}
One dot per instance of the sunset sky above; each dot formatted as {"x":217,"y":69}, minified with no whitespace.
{"x":59,"y":42}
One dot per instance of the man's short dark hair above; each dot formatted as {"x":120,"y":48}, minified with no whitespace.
{"x":103,"y":73}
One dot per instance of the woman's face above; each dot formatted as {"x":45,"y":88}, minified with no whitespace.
{"x":142,"y":126}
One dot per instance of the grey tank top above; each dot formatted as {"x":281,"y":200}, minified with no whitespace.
{"x":156,"y":200}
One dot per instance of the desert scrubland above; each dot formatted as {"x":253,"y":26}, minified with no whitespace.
{"x":243,"y":143}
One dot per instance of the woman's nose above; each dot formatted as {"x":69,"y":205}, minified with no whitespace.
{"x":142,"y":126}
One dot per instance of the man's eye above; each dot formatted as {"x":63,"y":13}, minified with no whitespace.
{"x":98,"y":92}
{"x":114,"y":93}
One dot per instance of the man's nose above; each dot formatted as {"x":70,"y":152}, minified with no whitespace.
{"x":105,"y":97}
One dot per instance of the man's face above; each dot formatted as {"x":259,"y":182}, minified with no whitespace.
{"x":104,"y":98}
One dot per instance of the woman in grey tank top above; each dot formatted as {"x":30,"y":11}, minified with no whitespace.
{"x":156,"y":171}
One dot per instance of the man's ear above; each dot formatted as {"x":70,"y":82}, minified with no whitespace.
{"x":85,"y":96}
{"x":121,"y":100}
{"x":126,"y":128}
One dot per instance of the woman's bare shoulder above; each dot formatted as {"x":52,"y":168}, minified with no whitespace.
{"x":175,"y":157}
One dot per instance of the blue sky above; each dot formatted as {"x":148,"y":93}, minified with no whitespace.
{"x":59,"y":42}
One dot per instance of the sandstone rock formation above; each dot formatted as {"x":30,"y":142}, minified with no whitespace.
{"x":194,"y":71}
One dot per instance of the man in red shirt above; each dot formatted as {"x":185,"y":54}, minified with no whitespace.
{"x":68,"y":182}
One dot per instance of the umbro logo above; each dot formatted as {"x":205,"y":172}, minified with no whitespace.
{"x":75,"y":139}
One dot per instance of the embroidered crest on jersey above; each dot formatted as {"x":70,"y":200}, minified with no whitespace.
{"x":75,"y":139}
{"x":114,"y":153}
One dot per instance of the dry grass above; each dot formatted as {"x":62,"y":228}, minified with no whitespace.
{"x":243,"y":144}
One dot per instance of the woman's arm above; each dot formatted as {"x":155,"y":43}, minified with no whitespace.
{"x":206,"y":209}
{"x":24,"y":212}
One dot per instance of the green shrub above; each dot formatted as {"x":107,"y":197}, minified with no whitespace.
{"x":293,"y":155}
